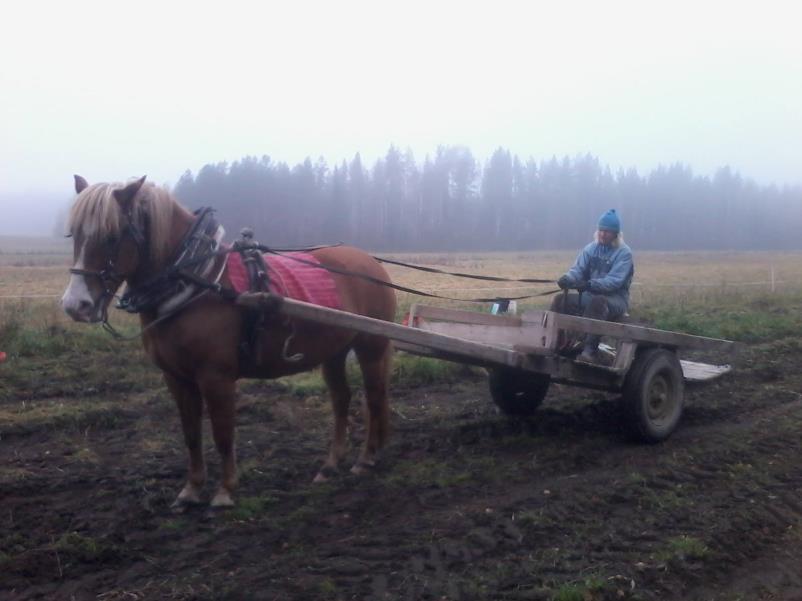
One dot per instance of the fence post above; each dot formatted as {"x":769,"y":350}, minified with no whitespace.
{"x":773,"y":289}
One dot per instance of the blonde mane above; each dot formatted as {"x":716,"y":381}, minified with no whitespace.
{"x":96,"y":214}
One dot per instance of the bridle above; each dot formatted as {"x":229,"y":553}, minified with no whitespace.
{"x":198,"y":247}
{"x":109,"y":277}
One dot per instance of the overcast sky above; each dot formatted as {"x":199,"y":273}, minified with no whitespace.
{"x":112,"y":90}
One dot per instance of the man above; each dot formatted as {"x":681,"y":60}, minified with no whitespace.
{"x":601,"y":275}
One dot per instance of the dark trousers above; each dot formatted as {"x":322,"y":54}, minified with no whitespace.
{"x":594,"y":306}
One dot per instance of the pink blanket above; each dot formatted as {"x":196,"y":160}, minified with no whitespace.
{"x":290,"y":278}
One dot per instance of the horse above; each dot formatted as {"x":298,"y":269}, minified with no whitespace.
{"x":130,"y":233}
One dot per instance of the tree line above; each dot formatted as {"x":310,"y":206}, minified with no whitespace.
{"x":452,"y":201}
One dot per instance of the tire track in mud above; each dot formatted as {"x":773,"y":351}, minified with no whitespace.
{"x":708,"y":488}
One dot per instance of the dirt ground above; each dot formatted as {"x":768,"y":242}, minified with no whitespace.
{"x":465,"y":504}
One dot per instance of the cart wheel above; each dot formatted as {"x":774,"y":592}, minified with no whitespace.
{"x":653,"y":394}
{"x":517,"y":393}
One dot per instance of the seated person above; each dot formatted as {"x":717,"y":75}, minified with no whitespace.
{"x":601,"y":276}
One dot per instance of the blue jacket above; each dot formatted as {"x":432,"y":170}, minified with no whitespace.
{"x":607,"y":269}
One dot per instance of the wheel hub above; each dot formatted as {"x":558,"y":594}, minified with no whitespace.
{"x":659,"y":405}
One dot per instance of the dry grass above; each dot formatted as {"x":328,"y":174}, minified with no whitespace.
{"x":36,"y":268}
{"x":33,"y":267}
{"x":34,"y":251}
{"x":661,"y":277}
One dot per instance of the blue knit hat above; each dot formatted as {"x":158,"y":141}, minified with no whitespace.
{"x":610,"y":221}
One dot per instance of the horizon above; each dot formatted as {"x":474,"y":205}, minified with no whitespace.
{"x":636,"y":85}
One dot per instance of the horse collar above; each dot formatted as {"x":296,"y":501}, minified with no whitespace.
{"x":194,"y":260}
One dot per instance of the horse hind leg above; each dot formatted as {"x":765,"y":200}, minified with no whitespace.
{"x":337,"y":382}
{"x":375,"y":358}
{"x":190,"y":407}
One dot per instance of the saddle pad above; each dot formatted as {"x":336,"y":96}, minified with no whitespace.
{"x":290,"y":278}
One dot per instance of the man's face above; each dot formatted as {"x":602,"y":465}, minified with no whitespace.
{"x":606,"y":236}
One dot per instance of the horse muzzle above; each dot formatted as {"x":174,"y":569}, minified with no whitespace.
{"x":82,"y":311}
{"x":81,"y":308}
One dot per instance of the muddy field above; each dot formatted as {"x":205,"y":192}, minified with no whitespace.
{"x":465,"y":504}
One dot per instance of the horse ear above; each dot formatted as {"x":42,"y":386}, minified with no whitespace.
{"x":80,"y":184}
{"x":125,"y":195}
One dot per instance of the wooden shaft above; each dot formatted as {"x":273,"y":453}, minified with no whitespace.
{"x":368,"y":325}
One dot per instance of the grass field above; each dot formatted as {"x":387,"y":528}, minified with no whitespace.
{"x":696,"y":292}
{"x":659,"y":277}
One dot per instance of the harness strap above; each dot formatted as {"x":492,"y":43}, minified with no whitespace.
{"x":171,"y":281}
{"x":381,"y":282}
{"x":490,"y":278}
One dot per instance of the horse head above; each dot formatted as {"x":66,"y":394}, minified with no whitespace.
{"x":109,"y":244}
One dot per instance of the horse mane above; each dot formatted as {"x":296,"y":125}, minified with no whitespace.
{"x":96,"y":214}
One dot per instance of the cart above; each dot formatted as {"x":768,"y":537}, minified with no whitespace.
{"x":522,"y":355}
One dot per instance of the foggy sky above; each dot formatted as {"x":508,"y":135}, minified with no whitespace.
{"x":112,"y":90}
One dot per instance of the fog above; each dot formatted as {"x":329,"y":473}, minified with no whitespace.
{"x":112,"y":91}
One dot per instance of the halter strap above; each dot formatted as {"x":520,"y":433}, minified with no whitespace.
{"x":110,"y":273}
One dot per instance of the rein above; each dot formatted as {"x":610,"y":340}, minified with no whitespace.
{"x":200,"y":246}
{"x":400,"y":288}
{"x":490,"y":278}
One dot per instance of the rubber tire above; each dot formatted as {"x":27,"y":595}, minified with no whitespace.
{"x":654,"y":395}
{"x":517,"y":393}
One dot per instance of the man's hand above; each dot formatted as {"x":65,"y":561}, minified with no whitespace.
{"x":582,"y":285}
{"x":564,"y":282}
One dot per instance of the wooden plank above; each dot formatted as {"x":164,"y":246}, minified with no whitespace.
{"x":692,"y":371}
{"x":456,"y":315}
{"x":566,"y":371}
{"x":546,"y":341}
{"x":703,"y":372}
{"x":532,"y":335}
{"x":551,"y":328}
{"x":414,"y":349}
{"x":561,"y":369}
{"x":454,"y":356}
{"x":368,"y":325}
{"x":624,"y":355}
{"x":641,"y":334}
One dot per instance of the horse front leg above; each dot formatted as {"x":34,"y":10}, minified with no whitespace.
{"x":219,"y":392}
{"x":190,"y":407}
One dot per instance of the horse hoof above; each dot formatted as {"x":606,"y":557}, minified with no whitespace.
{"x":184,"y":505}
{"x":222,"y":500}
{"x":362,"y":467}
{"x":325,"y":473}
{"x":212,"y":513}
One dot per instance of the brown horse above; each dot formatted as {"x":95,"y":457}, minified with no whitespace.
{"x":131,"y":232}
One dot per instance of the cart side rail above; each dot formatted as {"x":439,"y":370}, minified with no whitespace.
{"x":468,"y":317}
{"x":506,"y":331}
{"x":641,"y":334}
